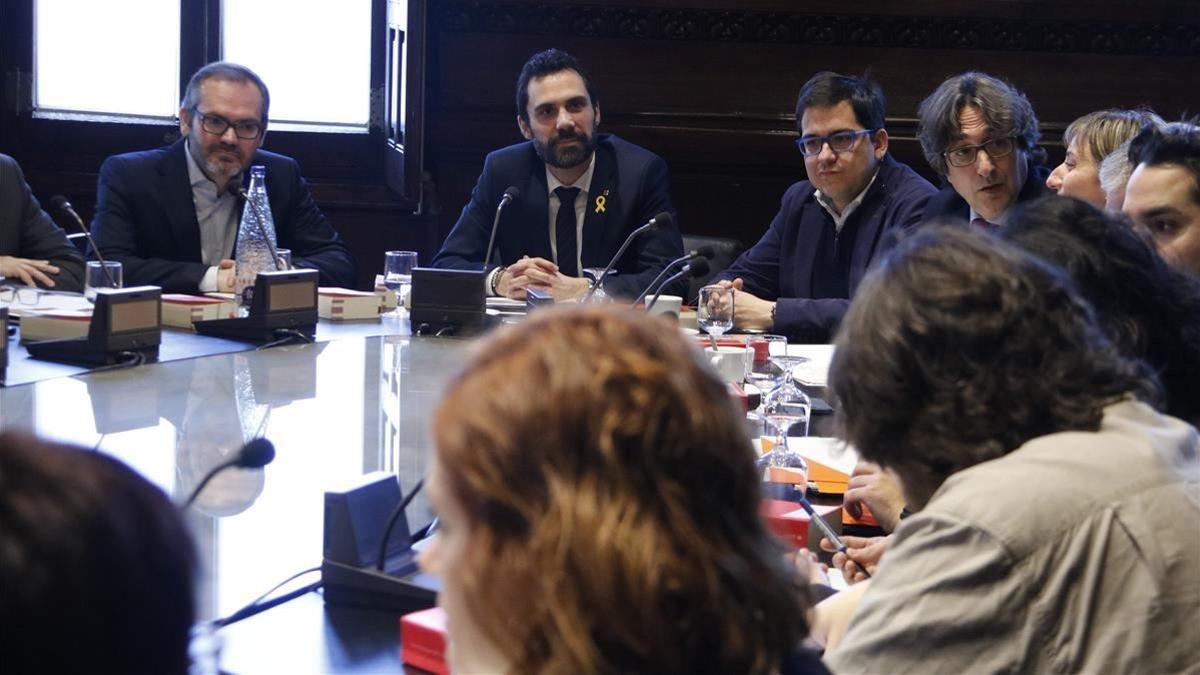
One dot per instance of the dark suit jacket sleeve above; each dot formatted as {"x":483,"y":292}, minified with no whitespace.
{"x":465,"y":245}
{"x":758,"y":267}
{"x":816,"y":320}
{"x":38,"y":237}
{"x":126,"y":198}
{"x":655,"y":249}
{"x":303,"y":228}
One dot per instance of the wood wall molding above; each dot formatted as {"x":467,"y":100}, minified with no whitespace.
{"x":835,"y":30}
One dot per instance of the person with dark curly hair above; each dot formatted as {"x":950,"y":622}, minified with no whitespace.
{"x":980,"y":134}
{"x":1150,"y":310}
{"x":1050,"y":494}
{"x":607,"y":523}
{"x":1163,"y":193}
{"x":96,"y":565}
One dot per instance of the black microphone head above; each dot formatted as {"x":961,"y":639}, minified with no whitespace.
{"x":698,"y":268}
{"x":513,"y":192}
{"x":706,"y":251}
{"x":60,"y":202}
{"x":663,"y":219}
{"x":235,"y":188}
{"x":256,"y":454}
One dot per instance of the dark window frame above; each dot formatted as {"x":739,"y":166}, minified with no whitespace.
{"x":375,"y":165}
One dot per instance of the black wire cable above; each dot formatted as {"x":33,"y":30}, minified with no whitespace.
{"x":289,"y":335}
{"x":391,"y":524}
{"x":134,"y":359}
{"x":257,"y":605}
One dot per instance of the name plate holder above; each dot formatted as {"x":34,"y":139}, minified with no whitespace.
{"x":448,"y":302}
{"x":126,"y":323}
{"x":284,"y":303}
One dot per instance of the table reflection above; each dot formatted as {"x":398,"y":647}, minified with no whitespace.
{"x":334,"y":411}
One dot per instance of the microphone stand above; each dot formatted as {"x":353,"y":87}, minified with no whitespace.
{"x":621,"y":251}
{"x":65,"y":206}
{"x":504,"y":201}
{"x":686,"y":271}
{"x":663,"y":273}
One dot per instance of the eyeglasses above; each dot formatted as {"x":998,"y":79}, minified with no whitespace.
{"x":842,"y":141}
{"x":217,"y":125}
{"x":23,"y":295}
{"x":966,"y":155}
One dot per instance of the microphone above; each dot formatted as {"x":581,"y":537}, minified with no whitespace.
{"x":510,"y":194}
{"x":60,"y":202}
{"x":253,"y":455}
{"x":696,"y":268}
{"x":663,"y":219}
{"x":237,"y":190}
{"x":705,"y":251}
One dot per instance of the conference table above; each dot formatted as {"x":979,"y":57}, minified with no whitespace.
{"x":358,"y":400}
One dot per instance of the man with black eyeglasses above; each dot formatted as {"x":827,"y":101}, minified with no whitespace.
{"x":798,"y":279}
{"x":170,"y":215}
{"x":980,"y":134}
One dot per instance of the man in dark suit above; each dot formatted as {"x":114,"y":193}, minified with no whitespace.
{"x":581,"y":194}
{"x":32,"y":248}
{"x":799,"y":278}
{"x":169,"y":216}
{"x":980,"y":134}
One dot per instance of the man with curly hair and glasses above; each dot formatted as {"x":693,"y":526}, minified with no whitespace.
{"x":980,"y":134}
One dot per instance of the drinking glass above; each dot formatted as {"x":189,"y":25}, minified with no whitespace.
{"x":397,"y":274}
{"x":592,"y":274}
{"x":105,"y":274}
{"x":787,"y":407}
{"x":714,"y":310}
{"x":284,"y":256}
{"x":766,"y":373}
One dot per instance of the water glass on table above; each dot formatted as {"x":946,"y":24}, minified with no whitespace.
{"x":397,"y":274}
{"x":714,"y":311}
{"x":284,"y":256}
{"x":107,"y":274}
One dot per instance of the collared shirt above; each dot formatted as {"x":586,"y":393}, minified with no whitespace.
{"x":840,"y":219}
{"x":216,"y":212}
{"x":584,"y":184}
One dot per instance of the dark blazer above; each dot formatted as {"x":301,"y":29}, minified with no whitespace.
{"x":27,"y":232}
{"x":633,"y":184}
{"x":780,"y":266}
{"x":146,"y":219}
{"x":947,"y":203}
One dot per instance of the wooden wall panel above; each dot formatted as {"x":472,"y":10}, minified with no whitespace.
{"x":711,"y":85}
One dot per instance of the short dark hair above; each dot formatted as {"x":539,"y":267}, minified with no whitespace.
{"x":89,"y":547}
{"x":1004,"y":107}
{"x":827,"y":89}
{"x":1177,"y":143}
{"x":1150,"y":310}
{"x":230,"y":72}
{"x":959,"y":348}
{"x":546,"y":63}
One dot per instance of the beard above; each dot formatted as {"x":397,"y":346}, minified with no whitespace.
{"x":556,"y":155}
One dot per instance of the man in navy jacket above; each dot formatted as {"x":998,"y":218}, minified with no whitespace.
{"x":799,"y":278}
{"x":614,"y":187}
{"x":33,"y":250}
{"x":168,"y":214}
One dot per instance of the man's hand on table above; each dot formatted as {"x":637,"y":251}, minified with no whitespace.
{"x":30,"y":272}
{"x":877,"y":489}
{"x":540,"y":274}
{"x":862,"y":553}
{"x":225,"y":276}
{"x":750,"y":312}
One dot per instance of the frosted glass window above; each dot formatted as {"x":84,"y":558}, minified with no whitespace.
{"x":115,"y":56}
{"x":314,"y":55}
